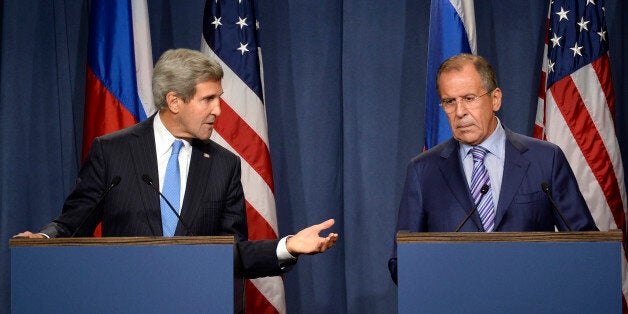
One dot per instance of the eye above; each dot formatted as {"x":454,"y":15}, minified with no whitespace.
{"x":468,"y":98}
{"x":448,"y":102}
{"x":209,"y":99}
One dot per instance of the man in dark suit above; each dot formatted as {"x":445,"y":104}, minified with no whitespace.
{"x":486,"y":167}
{"x":208,"y":193}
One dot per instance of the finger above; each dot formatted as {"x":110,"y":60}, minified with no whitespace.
{"x":329,"y":242}
{"x":328,"y":245}
{"x":325,"y":224}
{"x":25,"y":234}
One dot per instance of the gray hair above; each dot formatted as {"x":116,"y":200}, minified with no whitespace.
{"x":179,"y":70}
{"x":456,"y":63}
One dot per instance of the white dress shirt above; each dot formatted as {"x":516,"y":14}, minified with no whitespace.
{"x":163,"y":147}
{"x":494,"y":160}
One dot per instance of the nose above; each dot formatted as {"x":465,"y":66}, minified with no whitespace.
{"x":461,"y":109}
{"x":216,"y":110}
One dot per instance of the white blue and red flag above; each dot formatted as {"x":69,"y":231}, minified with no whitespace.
{"x":230,"y":35}
{"x":452,"y":31}
{"x":119,"y":68}
{"x":576,"y":109}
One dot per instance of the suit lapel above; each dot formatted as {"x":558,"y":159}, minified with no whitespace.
{"x":200,"y":166}
{"x":455,"y":179}
{"x":515,"y":168}
{"x":143,"y":150}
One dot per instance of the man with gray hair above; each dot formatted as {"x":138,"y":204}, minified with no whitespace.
{"x":199,"y":180}
{"x":486,"y":178}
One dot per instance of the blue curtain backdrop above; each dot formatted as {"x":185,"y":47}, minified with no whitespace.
{"x":345,"y":86}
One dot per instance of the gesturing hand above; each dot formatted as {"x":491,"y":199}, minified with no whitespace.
{"x":307,"y":241}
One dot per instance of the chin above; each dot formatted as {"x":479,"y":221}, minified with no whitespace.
{"x":467,"y":140}
{"x":206,"y":137}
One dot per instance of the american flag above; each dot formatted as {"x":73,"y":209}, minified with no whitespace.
{"x":577,"y":105}
{"x":452,"y":31}
{"x":230,"y":35}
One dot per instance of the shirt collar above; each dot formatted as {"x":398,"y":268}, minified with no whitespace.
{"x":163,"y":137}
{"x":495,"y":143}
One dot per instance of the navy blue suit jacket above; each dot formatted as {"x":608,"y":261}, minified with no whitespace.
{"x":436,"y":196}
{"x":213,"y":203}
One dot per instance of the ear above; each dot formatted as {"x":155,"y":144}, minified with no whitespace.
{"x":496,"y":98}
{"x":173,"y":101}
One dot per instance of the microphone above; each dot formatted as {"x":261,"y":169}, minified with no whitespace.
{"x":149,"y":181}
{"x":116,"y":180}
{"x":483,"y":191}
{"x":546,"y":188}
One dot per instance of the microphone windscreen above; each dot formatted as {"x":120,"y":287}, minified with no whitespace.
{"x":116,"y":181}
{"x":147,"y":179}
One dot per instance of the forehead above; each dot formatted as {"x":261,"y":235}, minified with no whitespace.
{"x":465,"y":79}
{"x":208,"y":88}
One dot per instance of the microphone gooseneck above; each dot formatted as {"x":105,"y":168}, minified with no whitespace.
{"x":483,"y":191}
{"x":116,"y":180}
{"x":546,"y":189}
{"x":149,"y":181}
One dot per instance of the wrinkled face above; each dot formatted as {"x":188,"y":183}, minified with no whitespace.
{"x":197,"y":116}
{"x":473,"y":122}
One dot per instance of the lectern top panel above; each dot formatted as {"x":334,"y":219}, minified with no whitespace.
{"x":109,"y":241}
{"x":584,"y":236}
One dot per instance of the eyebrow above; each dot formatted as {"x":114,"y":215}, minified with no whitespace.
{"x":465,"y":95}
{"x":214,"y":95}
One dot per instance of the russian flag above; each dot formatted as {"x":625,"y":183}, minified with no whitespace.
{"x":452,"y":31}
{"x":118,"y":90}
{"x":119,"y":68}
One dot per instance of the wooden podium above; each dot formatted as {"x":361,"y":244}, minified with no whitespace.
{"x":531,"y":272}
{"x":123,"y":275}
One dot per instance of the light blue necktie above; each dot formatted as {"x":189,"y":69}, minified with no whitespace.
{"x":171,"y":190}
{"x":479,"y":178}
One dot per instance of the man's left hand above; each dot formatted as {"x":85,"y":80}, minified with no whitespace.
{"x":308,"y":241}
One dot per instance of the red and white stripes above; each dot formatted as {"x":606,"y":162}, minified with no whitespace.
{"x":242,"y":128}
{"x":577,"y":114}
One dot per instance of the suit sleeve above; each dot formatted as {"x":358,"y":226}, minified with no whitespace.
{"x":566,"y":193}
{"x":258,"y":258}
{"x":233,"y":220}
{"x":90,"y":184}
{"x":253,"y":258}
{"x":411,"y":215}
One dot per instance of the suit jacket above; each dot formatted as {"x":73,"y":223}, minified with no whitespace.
{"x":436,"y":196}
{"x":213,"y":203}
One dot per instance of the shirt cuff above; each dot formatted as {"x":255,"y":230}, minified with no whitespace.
{"x":282,"y":251}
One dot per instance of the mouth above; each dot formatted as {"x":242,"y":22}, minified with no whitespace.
{"x":464,"y":126}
